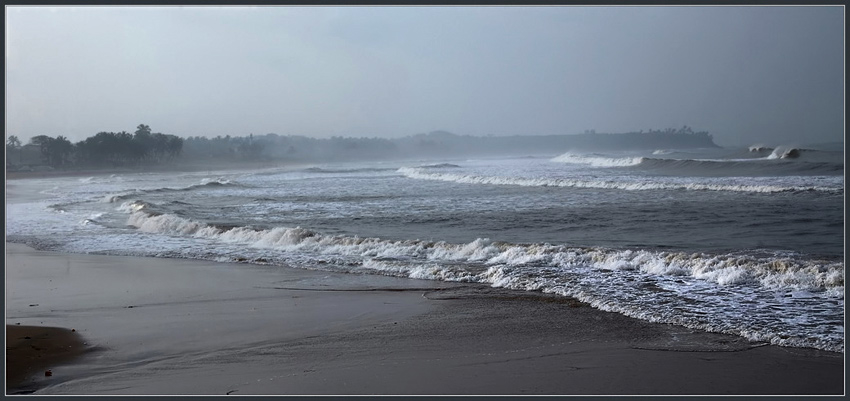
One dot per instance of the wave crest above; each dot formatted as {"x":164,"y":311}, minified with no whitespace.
{"x":671,"y":276}
{"x":597,"y":161}
{"x":606,"y":184}
{"x":771,"y":271}
{"x":205,"y":183}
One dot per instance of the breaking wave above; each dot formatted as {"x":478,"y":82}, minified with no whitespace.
{"x":760,"y":148}
{"x":559,"y":269}
{"x":765,"y":164}
{"x":597,"y":161}
{"x":324,"y":170}
{"x":758,"y":166}
{"x":603,"y":184}
{"x":770,"y":271}
{"x":786,"y":153}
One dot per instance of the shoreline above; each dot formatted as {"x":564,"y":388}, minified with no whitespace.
{"x":169,"y":326}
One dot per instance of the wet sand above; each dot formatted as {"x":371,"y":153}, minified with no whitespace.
{"x":33,"y":350}
{"x":166,"y":326}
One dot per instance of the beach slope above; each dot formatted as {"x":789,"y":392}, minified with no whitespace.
{"x":166,"y":326}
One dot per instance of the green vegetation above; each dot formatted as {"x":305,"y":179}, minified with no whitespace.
{"x":145,"y":149}
{"x":106,"y":149}
{"x":112,"y":149}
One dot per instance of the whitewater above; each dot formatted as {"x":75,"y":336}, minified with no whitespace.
{"x":735,"y":241}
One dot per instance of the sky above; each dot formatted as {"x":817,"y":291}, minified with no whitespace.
{"x":748,"y":75}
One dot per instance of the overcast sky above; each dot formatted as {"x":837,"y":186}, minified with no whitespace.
{"x":772,"y":75}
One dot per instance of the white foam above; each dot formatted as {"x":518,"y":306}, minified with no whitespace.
{"x":596,"y":161}
{"x":783,"y":152}
{"x":164,"y":223}
{"x":775,"y":272}
{"x":219,"y":180}
{"x":604,"y":184}
{"x":560,"y":269}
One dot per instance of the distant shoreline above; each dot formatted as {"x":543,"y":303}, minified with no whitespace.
{"x":134,"y":153}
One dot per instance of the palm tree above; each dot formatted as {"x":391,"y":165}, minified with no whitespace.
{"x":61,"y":148}
{"x":13,"y":144}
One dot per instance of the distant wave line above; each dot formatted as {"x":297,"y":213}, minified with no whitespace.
{"x":629,"y":186}
{"x":205,"y":183}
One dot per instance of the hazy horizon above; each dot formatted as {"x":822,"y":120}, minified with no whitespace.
{"x":768,"y":75}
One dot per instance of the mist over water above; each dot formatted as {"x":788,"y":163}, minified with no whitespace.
{"x":740,"y":241}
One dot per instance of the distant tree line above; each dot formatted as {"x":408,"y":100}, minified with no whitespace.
{"x":292,"y":148}
{"x":685,"y":130}
{"x":274,"y":147}
{"x":105,"y":149}
{"x":145,"y":148}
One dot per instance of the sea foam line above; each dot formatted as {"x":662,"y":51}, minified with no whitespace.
{"x":545,"y":267}
{"x":776,"y":272}
{"x":629,"y":186}
{"x":596,"y":161}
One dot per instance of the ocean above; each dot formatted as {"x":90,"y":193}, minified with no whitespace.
{"x":737,"y":241}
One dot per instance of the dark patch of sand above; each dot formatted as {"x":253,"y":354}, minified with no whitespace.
{"x":33,"y":351}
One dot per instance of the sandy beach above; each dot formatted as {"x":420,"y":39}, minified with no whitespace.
{"x":447,"y":200}
{"x":166,"y":326}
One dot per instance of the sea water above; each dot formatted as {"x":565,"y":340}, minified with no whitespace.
{"x":725,"y":240}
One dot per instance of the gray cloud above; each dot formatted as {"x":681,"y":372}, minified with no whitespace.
{"x":746,"y":74}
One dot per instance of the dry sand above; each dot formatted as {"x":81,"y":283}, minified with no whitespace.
{"x":161,"y":326}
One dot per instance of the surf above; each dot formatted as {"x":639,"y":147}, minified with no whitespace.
{"x":603,"y":277}
{"x":768,"y":162}
{"x":421,"y":174}
{"x":598,"y":161}
{"x":720,"y":268}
